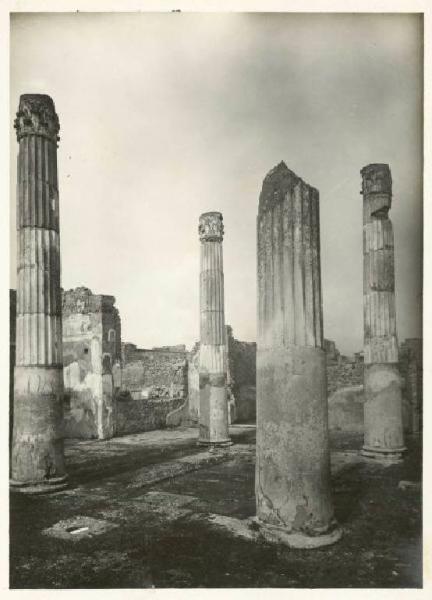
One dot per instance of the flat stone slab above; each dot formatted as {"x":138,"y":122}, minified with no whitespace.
{"x":158,"y":499}
{"x":78,"y":528}
{"x":170,"y":506}
{"x":171,"y":469}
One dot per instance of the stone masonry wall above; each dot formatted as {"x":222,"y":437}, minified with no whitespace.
{"x":241,"y":380}
{"x":242,"y":368}
{"x":411,"y":370}
{"x":344,"y":374}
{"x":91,"y":346}
{"x":140,"y":388}
{"x":193,"y":385}
{"x":345,"y":381}
{"x":153,"y":384}
{"x":134,"y":415}
{"x":155,"y":373}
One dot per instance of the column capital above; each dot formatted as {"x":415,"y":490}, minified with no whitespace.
{"x":211,"y":227}
{"x":37,"y":116}
{"x":376,"y":179}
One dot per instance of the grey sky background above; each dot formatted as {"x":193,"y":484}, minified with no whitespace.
{"x":165,"y":116}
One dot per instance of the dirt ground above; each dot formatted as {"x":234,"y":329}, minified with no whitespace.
{"x":140,"y":513}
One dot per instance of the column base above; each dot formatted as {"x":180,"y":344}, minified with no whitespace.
{"x":39,"y":487}
{"x":388,"y":456}
{"x":298,"y":539}
{"x":217,"y":444}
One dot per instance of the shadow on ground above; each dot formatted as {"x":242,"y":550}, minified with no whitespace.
{"x":162,"y":537}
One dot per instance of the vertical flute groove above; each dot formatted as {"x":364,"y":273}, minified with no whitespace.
{"x":212,"y":354}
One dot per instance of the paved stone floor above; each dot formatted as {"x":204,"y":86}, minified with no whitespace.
{"x":155,"y":510}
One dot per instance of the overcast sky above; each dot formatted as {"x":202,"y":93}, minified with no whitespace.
{"x":166,"y":116}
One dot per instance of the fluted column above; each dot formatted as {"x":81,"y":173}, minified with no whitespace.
{"x":37,"y":445}
{"x":213,"y":418}
{"x":383,"y":437}
{"x":292,"y":482}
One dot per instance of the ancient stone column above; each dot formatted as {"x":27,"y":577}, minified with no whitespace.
{"x":383,"y":436}
{"x":292,"y":483}
{"x":37,"y":446}
{"x":213,"y":417}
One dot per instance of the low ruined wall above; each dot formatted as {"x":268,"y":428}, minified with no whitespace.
{"x":344,"y":374}
{"x":141,"y":414}
{"x":80,"y":414}
{"x":242,"y":369}
{"x":345,"y":409}
{"x":410,"y":365}
{"x":193,"y":385}
{"x":246,"y":404}
{"x":91,"y":348}
{"x":154,"y":373}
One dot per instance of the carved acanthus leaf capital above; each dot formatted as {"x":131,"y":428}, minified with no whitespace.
{"x":211,"y":227}
{"x":37,"y":116}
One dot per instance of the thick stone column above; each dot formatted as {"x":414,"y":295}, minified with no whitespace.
{"x":292,"y":484}
{"x":213,"y":418}
{"x":383,"y":437}
{"x":37,"y":445}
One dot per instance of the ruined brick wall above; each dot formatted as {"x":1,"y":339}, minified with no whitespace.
{"x":113,"y":388}
{"x":346,"y":409}
{"x":332,"y":353}
{"x":156,"y":373}
{"x":242,"y":369}
{"x":344,"y":373}
{"x":241,"y":380}
{"x":153,"y":384}
{"x":411,"y":370}
{"x":193,"y":384}
{"x":91,"y":346}
{"x":134,"y":415}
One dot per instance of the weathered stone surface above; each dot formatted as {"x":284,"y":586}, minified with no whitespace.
{"x":346,"y":372}
{"x":242,"y":375}
{"x":91,"y":348}
{"x":240,"y":381}
{"x":346,"y":409}
{"x":12,"y":352}
{"x":135,"y":415}
{"x":293,"y":466}
{"x":37,"y":447}
{"x":383,"y":411}
{"x":213,"y":418}
{"x":411,"y":368}
{"x":154,"y":373}
{"x":382,"y":382}
{"x":193,"y":385}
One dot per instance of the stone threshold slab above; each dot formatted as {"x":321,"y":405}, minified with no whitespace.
{"x":152,"y":474}
{"x":181,"y":466}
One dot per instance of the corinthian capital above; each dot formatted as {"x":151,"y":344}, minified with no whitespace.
{"x":211,"y":227}
{"x":37,"y":116}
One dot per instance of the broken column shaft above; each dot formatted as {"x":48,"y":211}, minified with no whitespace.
{"x":383,"y":437}
{"x":213,"y":418}
{"x":37,"y":445}
{"x":292,"y":482}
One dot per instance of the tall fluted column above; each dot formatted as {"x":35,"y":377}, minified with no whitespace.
{"x":213,"y":418}
{"x":37,"y":446}
{"x":292,"y":483}
{"x":383,"y":437}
